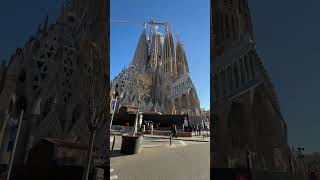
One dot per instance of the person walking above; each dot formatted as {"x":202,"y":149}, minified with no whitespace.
{"x":174,"y":130}
{"x":197,"y":130}
{"x":200,"y":128}
{"x":151,"y":127}
{"x":126,"y":127}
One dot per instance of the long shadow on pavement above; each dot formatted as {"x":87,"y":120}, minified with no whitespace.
{"x":116,"y":153}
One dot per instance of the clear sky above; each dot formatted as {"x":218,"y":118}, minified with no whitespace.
{"x":287,"y":34}
{"x":190,"y":18}
{"x":20,"y":19}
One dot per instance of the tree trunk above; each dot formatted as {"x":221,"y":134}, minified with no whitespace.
{"x":136,"y":121}
{"x":89,"y":155}
{"x":114,"y":111}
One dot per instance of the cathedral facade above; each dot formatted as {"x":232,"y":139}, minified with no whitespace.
{"x":50,"y":76}
{"x":171,"y":90}
{"x":250,"y":129}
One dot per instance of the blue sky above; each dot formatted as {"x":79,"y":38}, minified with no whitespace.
{"x":190,"y":18}
{"x":19,"y":20}
{"x":287,"y":34}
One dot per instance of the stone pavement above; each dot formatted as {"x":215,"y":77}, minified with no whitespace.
{"x":149,"y":142}
{"x":201,"y":138}
{"x":204,"y":137}
{"x":191,"y":162}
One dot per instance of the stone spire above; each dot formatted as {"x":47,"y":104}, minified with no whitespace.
{"x":168,"y":55}
{"x":232,"y":23}
{"x":181,"y":59}
{"x":156,"y":49}
{"x":141,"y":54}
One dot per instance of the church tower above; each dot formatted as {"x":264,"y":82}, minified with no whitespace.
{"x":232,"y":23}
{"x":140,"y":58}
{"x":169,"y":93}
{"x":155,"y":64}
{"x":181,"y":60}
{"x":250,"y":129}
{"x":156,"y":50}
{"x":168,"y":70}
{"x":168,"y":56}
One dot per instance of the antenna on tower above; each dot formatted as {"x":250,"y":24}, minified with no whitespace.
{"x":166,"y":28}
{"x":150,"y":30}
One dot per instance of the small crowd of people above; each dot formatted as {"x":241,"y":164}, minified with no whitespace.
{"x":199,"y":128}
{"x":149,"y":125}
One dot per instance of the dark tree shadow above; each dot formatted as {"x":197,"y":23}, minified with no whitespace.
{"x":116,"y":153}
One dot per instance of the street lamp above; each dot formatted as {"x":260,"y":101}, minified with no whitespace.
{"x":300,"y":156}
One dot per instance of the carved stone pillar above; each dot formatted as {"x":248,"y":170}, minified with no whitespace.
{"x":233,"y":79}
{"x":247,"y":62}
{"x":227,"y":81}
{"x":239,"y":73}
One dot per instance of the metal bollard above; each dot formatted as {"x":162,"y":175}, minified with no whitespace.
{"x":114,"y":140}
{"x":170,"y":140}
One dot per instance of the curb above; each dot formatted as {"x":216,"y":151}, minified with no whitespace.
{"x":178,"y":139}
{"x":161,"y":137}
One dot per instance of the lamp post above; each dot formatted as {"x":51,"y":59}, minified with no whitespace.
{"x":298,"y":153}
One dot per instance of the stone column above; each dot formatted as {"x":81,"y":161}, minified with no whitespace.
{"x":239,"y":73}
{"x":227,"y":81}
{"x":256,"y":66}
{"x":177,"y":107}
{"x":253,"y":66}
{"x":247,"y":61}
{"x":34,"y":119}
{"x":188,"y":101}
{"x":233,"y":76}
{"x":244,"y":70}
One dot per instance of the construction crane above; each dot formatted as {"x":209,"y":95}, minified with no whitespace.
{"x":151,"y":24}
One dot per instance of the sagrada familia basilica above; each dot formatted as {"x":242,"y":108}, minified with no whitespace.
{"x":171,"y":90}
{"x":48,"y":78}
{"x":250,"y":129}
